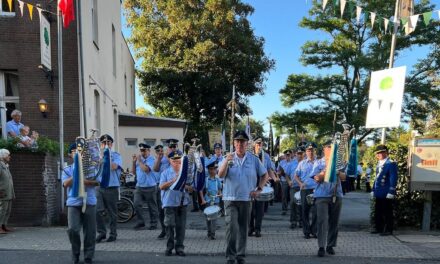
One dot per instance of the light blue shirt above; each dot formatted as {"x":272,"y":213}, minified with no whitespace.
{"x":303,"y":171}
{"x":143,"y":178}
{"x":291,"y":174}
{"x":241,"y":177}
{"x":324,"y":189}
{"x":12,"y":126}
{"x":164,"y":165}
{"x":77,"y":201}
{"x":212,"y":186}
{"x":171,"y":198}
{"x":288,"y":167}
{"x":114,"y":174}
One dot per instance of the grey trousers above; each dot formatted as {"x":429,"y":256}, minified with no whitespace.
{"x":5,"y":211}
{"x":285,"y":191}
{"x":257,"y":213}
{"x":146,"y":195}
{"x":87,"y":220}
{"x":160,"y":209}
{"x":308,"y":227}
{"x":237,"y":219}
{"x":295,"y":209}
{"x":175,"y":224}
{"x":211,"y":225}
{"x":107,"y":203}
{"x":328,"y":220}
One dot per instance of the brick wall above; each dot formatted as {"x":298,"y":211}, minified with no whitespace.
{"x":20,"y":53}
{"x":37,"y":189}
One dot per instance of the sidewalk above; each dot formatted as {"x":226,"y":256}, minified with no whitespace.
{"x":277,"y":238}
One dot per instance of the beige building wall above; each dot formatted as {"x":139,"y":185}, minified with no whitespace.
{"x":130,"y":137}
{"x":109,"y":68}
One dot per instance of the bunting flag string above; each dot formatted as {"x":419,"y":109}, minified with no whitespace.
{"x":30,"y":8}
{"x":406,"y":25}
{"x":10,"y":5}
{"x":21,"y":5}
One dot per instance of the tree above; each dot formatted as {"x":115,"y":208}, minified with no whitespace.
{"x":193,"y":52}
{"x":257,"y":129}
{"x":350,"y":53}
{"x":142,"y":111}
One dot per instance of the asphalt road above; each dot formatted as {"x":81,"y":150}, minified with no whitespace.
{"x":37,"y":257}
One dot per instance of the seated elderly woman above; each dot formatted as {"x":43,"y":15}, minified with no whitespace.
{"x":25,"y":140}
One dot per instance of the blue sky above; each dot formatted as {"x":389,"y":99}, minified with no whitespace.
{"x":277,"y":21}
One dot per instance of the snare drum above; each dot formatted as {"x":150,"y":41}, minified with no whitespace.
{"x":267,"y":194}
{"x":212,"y":212}
{"x":297,"y":197}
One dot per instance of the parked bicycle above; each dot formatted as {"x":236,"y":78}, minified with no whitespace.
{"x":125,"y":204}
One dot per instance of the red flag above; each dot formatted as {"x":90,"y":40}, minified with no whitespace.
{"x":68,"y":11}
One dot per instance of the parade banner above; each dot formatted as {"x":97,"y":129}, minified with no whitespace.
{"x":214,"y":137}
{"x":385,"y":98}
{"x":45,"y":42}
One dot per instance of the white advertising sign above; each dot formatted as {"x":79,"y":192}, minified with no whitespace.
{"x":45,"y":42}
{"x":385,"y":99}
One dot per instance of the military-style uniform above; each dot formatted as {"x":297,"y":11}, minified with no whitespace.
{"x":146,"y":189}
{"x":328,"y":210}
{"x":163,"y":164}
{"x":78,"y":220}
{"x":295,"y":209}
{"x":240,"y":180}
{"x":108,"y":197}
{"x":287,"y":166}
{"x":174,"y":204}
{"x":384,"y":189}
{"x":213,"y":189}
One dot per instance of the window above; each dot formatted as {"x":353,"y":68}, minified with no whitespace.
{"x":114,"y":49}
{"x":125,"y":88}
{"x":95,"y":23}
{"x":5,"y":9}
{"x":97,"y":111}
{"x":8,"y":90}
{"x":133,"y":103}
{"x":150,"y":141}
{"x":131,"y":142}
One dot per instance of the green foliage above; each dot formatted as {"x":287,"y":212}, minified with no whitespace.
{"x":257,"y":128}
{"x":350,"y":52}
{"x":45,"y":145}
{"x":408,"y":209}
{"x":193,"y":53}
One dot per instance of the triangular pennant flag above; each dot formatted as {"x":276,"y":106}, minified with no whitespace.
{"x":358,"y":13}
{"x":404,"y":21}
{"x":324,"y":3}
{"x":373,"y":18}
{"x":366,"y":16}
{"x":21,"y":5}
{"x":39,"y":12}
{"x":391,"y":106}
{"x":380,"y":103}
{"x":10,"y":5}
{"x":31,"y":8}
{"x":335,"y":2}
{"x":379,"y":23}
{"x":351,"y":7}
{"x":413,"y":21}
{"x":427,"y":17}
{"x":385,"y":23}
{"x":343,"y":3}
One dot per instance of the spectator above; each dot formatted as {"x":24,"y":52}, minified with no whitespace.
{"x":25,"y":140}
{"x":359,"y":175}
{"x":13,"y":126}
{"x":7,"y":193}
{"x":368,"y":172}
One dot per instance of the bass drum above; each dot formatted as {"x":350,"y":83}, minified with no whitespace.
{"x":297,"y":197}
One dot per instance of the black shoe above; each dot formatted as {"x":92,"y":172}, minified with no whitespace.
{"x":257,"y":234}
{"x":386,"y":234}
{"x":300,"y":225}
{"x":152,"y":228}
{"x":251,"y":233}
{"x":212,"y":237}
{"x":284,"y":213}
{"x":330,"y":250}
{"x":139,"y":226}
{"x":75,"y":260}
{"x":321,"y":252}
{"x":306,"y":236}
{"x":111,"y":239}
{"x":194,"y":210}
{"x":180,"y":253}
{"x":99,"y":238}
{"x":88,"y":261}
{"x":168,"y":253}
{"x":374,"y":232}
{"x":229,"y":261}
{"x":241,"y":261}
{"x":313,"y":236}
{"x":292,"y":226}
{"x":162,"y":235}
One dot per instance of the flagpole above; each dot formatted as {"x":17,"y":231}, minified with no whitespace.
{"x":393,"y":48}
{"x":231,"y":147}
{"x":60,"y":97}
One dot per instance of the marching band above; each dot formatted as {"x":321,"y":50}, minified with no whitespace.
{"x":236,"y":186}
